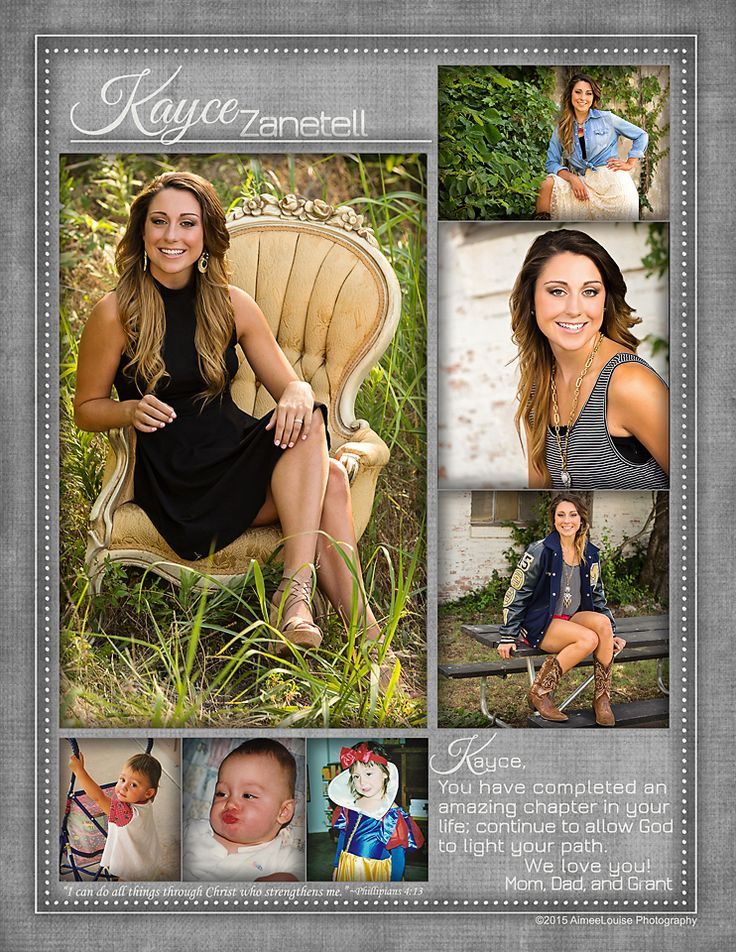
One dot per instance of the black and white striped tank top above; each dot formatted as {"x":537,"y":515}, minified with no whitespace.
{"x":592,"y":458}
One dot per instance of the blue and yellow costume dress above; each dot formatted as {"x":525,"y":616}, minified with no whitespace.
{"x":372,"y":846}
{"x":373,"y":849}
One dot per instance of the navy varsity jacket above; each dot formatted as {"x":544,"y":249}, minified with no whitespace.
{"x":530,"y":602}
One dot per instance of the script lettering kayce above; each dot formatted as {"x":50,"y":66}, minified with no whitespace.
{"x":167,"y":120}
{"x":465,"y":752}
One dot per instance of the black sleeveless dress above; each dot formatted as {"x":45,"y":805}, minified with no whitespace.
{"x":203,"y":478}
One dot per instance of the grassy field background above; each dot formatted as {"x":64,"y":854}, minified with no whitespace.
{"x":145,"y":653}
{"x":459,"y":701}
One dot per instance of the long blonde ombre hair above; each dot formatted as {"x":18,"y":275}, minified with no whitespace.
{"x":141,"y":308}
{"x":567,"y":111}
{"x":535,"y":356}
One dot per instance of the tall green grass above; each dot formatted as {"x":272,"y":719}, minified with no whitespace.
{"x":146,"y":653}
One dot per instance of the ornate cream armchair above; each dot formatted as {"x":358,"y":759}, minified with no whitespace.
{"x":333,"y":302}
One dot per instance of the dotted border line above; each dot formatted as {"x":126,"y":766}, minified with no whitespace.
{"x":43,"y":254}
{"x":611,"y":905}
{"x":687,"y":495}
{"x":684,"y":258}
{"x":355,"y":50}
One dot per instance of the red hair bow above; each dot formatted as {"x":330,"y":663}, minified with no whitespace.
{"x":361,"y":754}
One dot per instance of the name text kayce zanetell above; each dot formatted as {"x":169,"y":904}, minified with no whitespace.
{"x":160,"y":117}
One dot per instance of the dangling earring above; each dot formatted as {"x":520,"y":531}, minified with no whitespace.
{"x":204,"y":260}
{"x":145,"y":260}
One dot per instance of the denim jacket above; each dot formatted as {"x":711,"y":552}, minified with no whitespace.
{"x":600,"y":131}
{"x":530,"y":602}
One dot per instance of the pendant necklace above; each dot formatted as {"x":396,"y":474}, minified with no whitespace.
{"x":566,"y":579}
{"x":565,"y":476}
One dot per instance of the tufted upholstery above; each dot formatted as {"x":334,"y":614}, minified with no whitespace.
{"x":333,"y":303}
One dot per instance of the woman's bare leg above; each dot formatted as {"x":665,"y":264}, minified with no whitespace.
{"x":295,"y":499}
{"x":602,"y":665}
{"x":571,"y":642}
{"x":544,"y":196}
{"x":292,"y":499}
{"x":567,"y":643}
{"x":601,"y":625}
{"x":336,"y":578}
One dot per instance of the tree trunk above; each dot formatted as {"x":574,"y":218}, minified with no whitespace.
{"x":656,"y":569}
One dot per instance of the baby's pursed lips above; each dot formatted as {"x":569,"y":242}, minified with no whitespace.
{"x":229,"y":817}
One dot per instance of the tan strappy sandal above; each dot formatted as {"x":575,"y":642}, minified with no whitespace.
{"x":294,"y":630}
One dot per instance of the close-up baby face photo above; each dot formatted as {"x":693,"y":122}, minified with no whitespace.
{"x":252,"y":800}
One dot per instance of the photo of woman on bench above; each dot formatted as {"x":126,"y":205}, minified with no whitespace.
{"x":556,"y":602}
{"x":567,"y":581}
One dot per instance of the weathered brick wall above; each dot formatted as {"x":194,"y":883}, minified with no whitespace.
{"x":469,"y":554}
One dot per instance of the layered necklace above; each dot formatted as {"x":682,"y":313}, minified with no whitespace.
{"x":564,"y":474}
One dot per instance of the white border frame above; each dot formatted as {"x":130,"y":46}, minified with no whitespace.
{"x":683,"y":172}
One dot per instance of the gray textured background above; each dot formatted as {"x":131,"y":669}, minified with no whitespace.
{"x":716,"y":341}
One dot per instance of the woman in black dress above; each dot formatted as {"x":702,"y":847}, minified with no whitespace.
{"x":205,"y":470}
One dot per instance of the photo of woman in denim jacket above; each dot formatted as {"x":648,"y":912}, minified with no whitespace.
{"x":587,"y":181}
{"x":556,"y":603}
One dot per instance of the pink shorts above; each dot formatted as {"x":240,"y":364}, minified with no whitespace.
{"x":563,"y":617}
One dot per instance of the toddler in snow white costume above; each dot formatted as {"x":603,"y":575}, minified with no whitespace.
{"x":374,"y":831}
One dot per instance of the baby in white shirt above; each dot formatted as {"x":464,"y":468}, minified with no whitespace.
{"x":253,"y":801}
{"x":132,"y":851}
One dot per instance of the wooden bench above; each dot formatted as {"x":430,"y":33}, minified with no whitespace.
{"x":647,"y":638}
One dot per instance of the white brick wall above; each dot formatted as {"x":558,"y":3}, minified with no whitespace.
{"x":469,"y":554}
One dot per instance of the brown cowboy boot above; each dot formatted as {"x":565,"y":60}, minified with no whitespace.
{"x":604,"y":716}
{"x":540,"y":695}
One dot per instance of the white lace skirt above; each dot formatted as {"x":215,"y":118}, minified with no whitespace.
{"x":612,"y":196}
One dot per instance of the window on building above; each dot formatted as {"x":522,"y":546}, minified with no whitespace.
{"x":493,"y":508}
